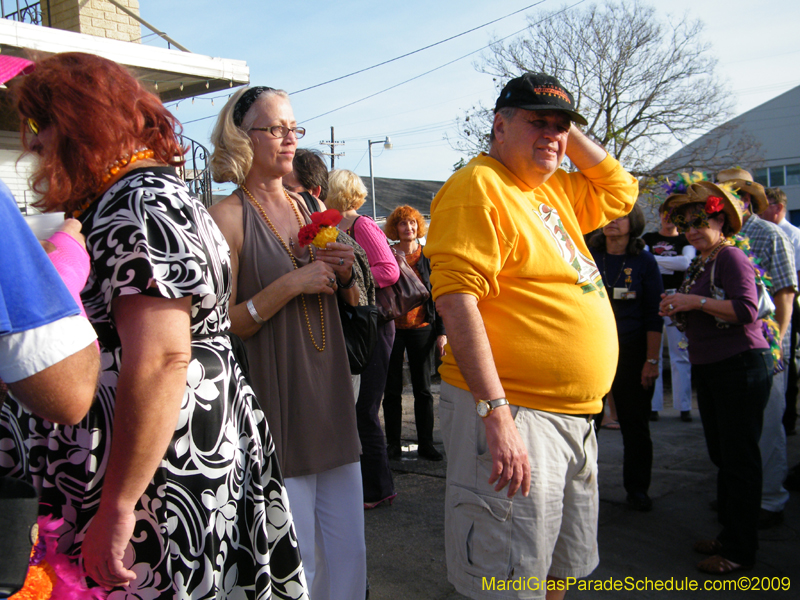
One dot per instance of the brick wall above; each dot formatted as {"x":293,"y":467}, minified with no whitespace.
{"x":94,"y":17}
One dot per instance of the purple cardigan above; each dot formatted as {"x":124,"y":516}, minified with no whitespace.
{"x":709,"y":343}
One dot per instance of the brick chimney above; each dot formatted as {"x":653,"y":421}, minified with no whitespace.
{"x":94,"y":17}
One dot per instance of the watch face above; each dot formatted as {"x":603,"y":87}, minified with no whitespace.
{"x":483,"y":408}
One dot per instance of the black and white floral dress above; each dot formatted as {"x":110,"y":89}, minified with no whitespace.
{"x":214,"y":521}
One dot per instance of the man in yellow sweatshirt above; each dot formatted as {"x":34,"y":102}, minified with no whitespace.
{"x":533,"y":345}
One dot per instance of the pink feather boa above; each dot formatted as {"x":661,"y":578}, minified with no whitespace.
{"x":67,"y":577}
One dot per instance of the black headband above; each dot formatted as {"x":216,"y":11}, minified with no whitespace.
{"x":247,"y":100}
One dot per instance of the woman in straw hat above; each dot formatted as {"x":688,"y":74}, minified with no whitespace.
{"x":731,"y":363}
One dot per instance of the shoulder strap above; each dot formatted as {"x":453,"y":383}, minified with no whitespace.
{"x":351,"y":231}
{"x":311,"y":202}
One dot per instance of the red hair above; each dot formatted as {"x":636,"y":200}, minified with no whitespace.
{"x":93,"y":112}
{"x":404,"y":213}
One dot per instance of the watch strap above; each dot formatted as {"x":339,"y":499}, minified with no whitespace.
{"x":489,"y":406}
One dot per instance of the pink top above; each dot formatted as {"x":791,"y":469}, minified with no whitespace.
{"x":72,"y":262}
{"x":381,"y":260}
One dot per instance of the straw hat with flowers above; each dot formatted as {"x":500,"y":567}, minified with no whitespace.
{"x":714,"y":198}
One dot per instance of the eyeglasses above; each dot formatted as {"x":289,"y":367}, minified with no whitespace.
{"x":699,"y":221}
{"x":33,"y":126}
{"x":281,"y":131}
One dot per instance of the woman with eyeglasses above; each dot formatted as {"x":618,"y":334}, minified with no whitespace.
{"x":170,"y":486}
{"x":731,"y":362}
{"x":633,"y":284}
{"x":284,"y":306}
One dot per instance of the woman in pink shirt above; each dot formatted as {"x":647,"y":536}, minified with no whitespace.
{"x":346,"y":193}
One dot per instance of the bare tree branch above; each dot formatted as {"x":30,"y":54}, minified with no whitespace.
{"x":644,"y":82}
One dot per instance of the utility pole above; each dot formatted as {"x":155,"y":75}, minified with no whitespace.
{"x":333,"y":143}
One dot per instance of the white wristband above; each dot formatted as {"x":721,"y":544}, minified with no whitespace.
{"x":254,"y":313}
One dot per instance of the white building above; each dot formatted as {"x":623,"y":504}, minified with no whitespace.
{"x":764,"y":140}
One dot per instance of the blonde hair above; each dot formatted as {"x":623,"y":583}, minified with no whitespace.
{"x":233,"y":150}
{"x":346,"y":191}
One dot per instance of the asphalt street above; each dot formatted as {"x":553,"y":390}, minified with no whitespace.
{"x":405,"y":541}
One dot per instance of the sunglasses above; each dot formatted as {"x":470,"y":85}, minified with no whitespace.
{"x":698,"y":221}
{"x":33,"y":126}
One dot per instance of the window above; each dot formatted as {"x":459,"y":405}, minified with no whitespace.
{"x":761,"y":177}
{"x":792,"y":174}
{"x":776,"y":178}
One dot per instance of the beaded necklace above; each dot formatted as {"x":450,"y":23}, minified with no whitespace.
{"x":294,"y":263}
{"x":141,"y":154}
{"x":692,"y":274}
{"x":698,"y":266}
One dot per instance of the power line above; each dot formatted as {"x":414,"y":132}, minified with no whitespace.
{"x":744,"y":60}
{"x":386,"y":62}
{"x":404,"y":55}
{"x":444,"y":65}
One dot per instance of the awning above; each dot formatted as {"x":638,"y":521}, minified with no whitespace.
{"x":172,"y":74}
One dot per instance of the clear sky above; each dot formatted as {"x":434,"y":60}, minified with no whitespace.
{"x":297,"y":44}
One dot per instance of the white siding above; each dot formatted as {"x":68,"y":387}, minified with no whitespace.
{"x":15,"y":174}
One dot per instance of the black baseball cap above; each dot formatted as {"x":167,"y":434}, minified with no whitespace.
{"x":537,"y":91}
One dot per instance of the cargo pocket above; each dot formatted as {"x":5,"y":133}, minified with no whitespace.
{"x":482,"y":532}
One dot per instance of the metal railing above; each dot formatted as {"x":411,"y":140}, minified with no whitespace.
{"x":26,"y":12}
{"x":196,"y":171}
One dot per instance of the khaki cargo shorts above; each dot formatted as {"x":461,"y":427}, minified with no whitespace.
{"x":505,"y":548}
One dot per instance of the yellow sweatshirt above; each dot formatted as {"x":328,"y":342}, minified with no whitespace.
{"x":520,"y":252}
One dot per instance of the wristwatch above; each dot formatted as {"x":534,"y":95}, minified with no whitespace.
{"x":703,"y":303}
{"x":652,"y":361}
{"x":485,"y":407}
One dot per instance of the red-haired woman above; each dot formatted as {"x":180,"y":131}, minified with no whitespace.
{"x":418,"y":332}
{"x":170,"y":486}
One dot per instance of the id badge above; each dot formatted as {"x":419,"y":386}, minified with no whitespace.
{"x":624,"y":294}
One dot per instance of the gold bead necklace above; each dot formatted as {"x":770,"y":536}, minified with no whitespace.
{"x":294,"y":262}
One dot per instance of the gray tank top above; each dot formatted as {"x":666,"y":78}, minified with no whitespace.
{"x":307,"y":395}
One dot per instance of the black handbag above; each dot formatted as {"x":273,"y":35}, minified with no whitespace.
{"x":360,"y":328}
{"x":19,"y":507}
{"x":407,"y":293}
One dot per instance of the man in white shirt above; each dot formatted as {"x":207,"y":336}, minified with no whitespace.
{"x":673,"y":255}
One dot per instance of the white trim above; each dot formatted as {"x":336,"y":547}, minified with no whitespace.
{"x":14,"y":34}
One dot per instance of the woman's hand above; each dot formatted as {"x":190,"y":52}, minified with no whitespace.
{"x":649,"y":374}
{"x":104,"y":548}
{"x":441,"y":340}
{"x":72,"y":227}
{"x":675,"y":303}
{"x":317,"y":277}
{"x":341,"y":258}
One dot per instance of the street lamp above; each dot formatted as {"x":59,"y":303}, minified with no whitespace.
{"x":387,"y":143}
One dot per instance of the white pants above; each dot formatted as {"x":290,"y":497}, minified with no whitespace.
{"x":772,"y":444}
{"x":328,"y":511}
{"x":681,"y":372}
